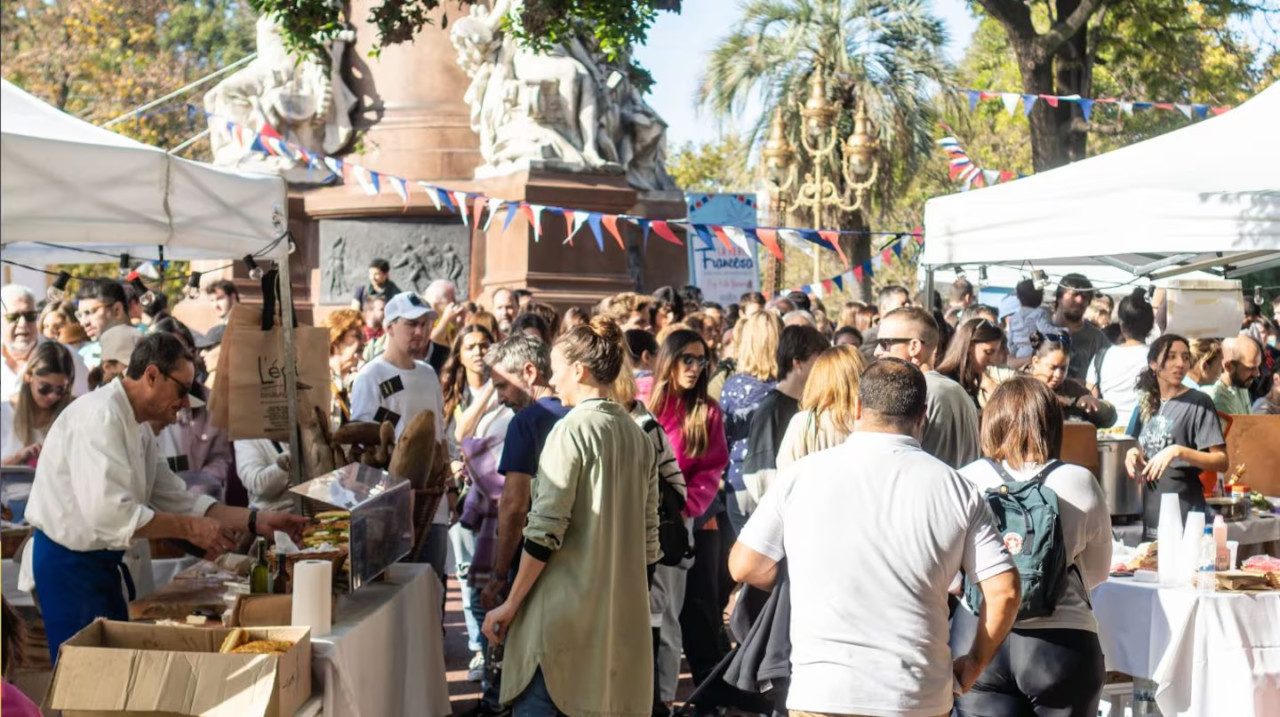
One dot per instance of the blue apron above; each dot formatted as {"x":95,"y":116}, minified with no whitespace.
{"x":75,"y":588}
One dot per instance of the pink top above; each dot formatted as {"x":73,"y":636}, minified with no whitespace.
{"x":15,"y":704}
{"x":702,"y":474}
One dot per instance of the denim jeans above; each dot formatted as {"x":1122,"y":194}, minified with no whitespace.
{"x":535,"y":701}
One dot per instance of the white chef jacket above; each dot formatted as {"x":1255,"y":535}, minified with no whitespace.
{"x":101,"y":477}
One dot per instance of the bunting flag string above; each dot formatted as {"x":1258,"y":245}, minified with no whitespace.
{"x":1011,"y":100}
{"x":964,"y":171}
{"x":880,"y":258}
{"x":471,"y":207}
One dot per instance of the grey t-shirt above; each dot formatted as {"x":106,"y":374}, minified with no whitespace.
{"x":1188,"y":420}
{"x":951,"y":422}
{"x":1085,"y":343}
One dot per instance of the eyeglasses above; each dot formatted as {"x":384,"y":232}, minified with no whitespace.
{"x":46,"y":389}
{"x":886,"y":344}
{"x":184,"y":390}
{"x":693,"y":360}
{"x":32,"y":316}
{"x":83,"y":314}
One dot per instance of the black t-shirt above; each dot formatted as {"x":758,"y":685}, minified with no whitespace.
{"x":768,"y":426}
{"x":366,"y":291}
{"x":527,"y":433}
{"x":1085,"y":343}
{"x":1188,"y":420}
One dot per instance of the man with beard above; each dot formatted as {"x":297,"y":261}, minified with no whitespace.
{"x":102,"y":483}
{"x":1241,"y":359}
{"x":504,"y":309}
{"x":18,"y":342}
{"x":100,"y":305}
{"x":1075,"y":291}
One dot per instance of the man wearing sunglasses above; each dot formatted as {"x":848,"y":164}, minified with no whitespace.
{"x":103,"y":483}
{"x":1074,"y":294}
{"x":19,"y":340}
{"x":951,"y":420}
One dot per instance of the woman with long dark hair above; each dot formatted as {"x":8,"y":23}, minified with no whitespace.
{"x":1178,"y":432}
{"x":667,"y":308}
{"x":45,"y":391}
{"x":465,"y":372}
{"x":975,"y":347}
{"x":1051,"y":664}
{"x":1050,"y":357}
{"x":695,"y":426}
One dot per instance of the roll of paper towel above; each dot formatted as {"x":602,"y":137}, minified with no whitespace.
{"x":313,"y":595}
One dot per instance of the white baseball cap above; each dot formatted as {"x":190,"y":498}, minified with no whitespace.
{"x":117,"y":343}
{"x":405,"y":305}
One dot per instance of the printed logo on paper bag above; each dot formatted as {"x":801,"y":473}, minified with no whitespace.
{"x":391,"y":387}
{"x":383,"y":414}
{"x":1013,"y":543}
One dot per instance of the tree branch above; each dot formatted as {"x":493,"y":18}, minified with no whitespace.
{"x":1014,"y":15}
{"x":1063,"y":30}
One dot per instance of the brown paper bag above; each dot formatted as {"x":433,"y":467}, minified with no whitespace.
{"x":249,"y":388}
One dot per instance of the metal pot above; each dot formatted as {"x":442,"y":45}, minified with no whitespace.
{"x":1124,"y":494}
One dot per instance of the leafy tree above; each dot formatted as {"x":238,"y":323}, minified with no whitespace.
{"x":98,"y":59}
{"x":719,"y":166}
{"x":885,"y":54}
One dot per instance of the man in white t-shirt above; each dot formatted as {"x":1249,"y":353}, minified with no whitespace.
{"x":874,"y":531}
{"x":395,"y":387}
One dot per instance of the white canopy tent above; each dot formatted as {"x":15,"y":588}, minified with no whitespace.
{"x":66,"y":184}
{"x":64,"y":181}
{"x":1205,"y":197}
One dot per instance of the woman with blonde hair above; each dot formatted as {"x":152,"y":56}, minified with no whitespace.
{"x":827,"y":406}
{"x":1206,"y":363}
{"x":757,"y":339}
{"x":346,"y":345}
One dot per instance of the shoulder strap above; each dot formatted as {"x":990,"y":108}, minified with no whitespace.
{"x":999,"y":469}
{"x":1048,"y":468}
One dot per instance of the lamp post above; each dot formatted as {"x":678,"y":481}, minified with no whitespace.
{"x":859,"y":163}
{"x":780,"y":173}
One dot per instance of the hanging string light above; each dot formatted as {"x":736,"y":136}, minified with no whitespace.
{"x":255,"y":271}
{"x":124,"y":267}
{"x":193,"y":286}
{"x":58,"y":291}
{"x":146,"y":297}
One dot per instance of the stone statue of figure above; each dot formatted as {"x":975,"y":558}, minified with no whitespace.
{"x":567,"y":107}
{"x":453,"y":269}
{"x":302,"y":99}
{"x":338,"y":267}
{"x":416,"y":271}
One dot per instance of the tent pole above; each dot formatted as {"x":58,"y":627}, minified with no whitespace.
{"x":928,"y":285}
{"x":290,"y":370}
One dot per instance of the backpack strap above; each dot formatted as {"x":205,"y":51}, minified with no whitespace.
{"x":1048,"y":468}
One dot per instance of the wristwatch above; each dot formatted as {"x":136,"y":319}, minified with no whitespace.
{"x":253,"y":521}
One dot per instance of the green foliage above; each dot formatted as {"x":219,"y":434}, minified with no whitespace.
{"x":309,"y":25}
{"x":98,"y":59}
{"x":719,"y":166}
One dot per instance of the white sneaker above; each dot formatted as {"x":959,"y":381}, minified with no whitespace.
{"x":475,"y":670}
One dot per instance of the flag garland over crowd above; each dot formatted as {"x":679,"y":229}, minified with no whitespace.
{"x":866,"y":269}
{"x":1011,"y":101}
{"x":475,"y":209}
{"x":964,"y":170}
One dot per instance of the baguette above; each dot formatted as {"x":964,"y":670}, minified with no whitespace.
{"x":233,"y":640}
{"x":415,"y":452}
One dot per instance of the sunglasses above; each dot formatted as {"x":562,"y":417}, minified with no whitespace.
{"x":693,"y":360}
{"x":886,"y":344}
{"x":184,"y":390}
{"x":32,"y":316}
{"x":1064,"y":339}
{"x":47,"y":389}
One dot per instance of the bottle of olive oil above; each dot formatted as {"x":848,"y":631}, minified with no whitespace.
{"x":260,"y":575}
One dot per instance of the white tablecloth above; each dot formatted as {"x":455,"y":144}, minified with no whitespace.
{"x":385,"y":655}
{"x":1210,"y":654}
{"x":1253,"y":530}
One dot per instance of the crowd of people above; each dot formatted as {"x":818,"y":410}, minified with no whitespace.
{"x":619,"y":470}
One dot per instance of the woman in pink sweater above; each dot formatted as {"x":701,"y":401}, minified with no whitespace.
{"x":695,"y":426}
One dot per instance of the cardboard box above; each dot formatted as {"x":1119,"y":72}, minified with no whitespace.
{"x":122,"y":668}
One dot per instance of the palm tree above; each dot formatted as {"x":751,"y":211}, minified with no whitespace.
{"x":886,"y":54}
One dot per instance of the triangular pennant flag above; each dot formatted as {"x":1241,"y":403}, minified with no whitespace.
{"x":769,"y":237}
{"x":792,"y":237}
{"x":705,"y":235}
{"x":739,"y":238}
{"x":1010,"y":100}
{"x":1142,"y":105}
{"x":897,"y":247}
{"x":988,"y":95}
{"x":1163,"y":106}
{"x":991,"y":176}
{"x":858,"y":273}
{"x":463,"y":207}
{"x":1200,"y":111}
{"x":973,"y":98}
{"x":334,"y":164}
{"x":1028,"y":103}
{"x":838,"y":280}
{"x":579,"y":218}
{"x":594,"y":219}
{"x":1218,"y":110}
{"x":644,"y":225}
{"x":724,"y":238}
{"x":886,"y":257}
{"x":478,"y":210}
{"x":431,"y":193}
{"x":1086,"y":106}
{"x":535,"y":220}
{"x":512,"y":208}
{"x":401,"y":188}
{"x":1184,"y":109}
{"x":833,"y":238}
{"x":611,"y":225}
{"x":828,"y":286}
{"x":662,"y":229}
{"x":367,"y":180}
{"x":866,"y":269}
{"x":495,"y":206}
{"x":817,"y":290}
{"x":569,"y":227}
{"x":1051,"y":99}
{"x":448,"y":201}
{"x":1126,"y":107}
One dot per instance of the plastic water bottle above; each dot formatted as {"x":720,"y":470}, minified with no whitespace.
{"x":1206,"y":577}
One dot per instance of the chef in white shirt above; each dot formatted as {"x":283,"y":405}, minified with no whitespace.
{"x":395,"y":387}
{"x":102,"y":483}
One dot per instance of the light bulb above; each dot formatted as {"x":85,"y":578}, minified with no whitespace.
{"x":1257,"y":294}
{"x":58,"y":291}
{"x":293,"y":246}
{"x":147,"y":299}
{"x":255,"y":272}
{"x":124,"y":267}
{"x":193,"y":286}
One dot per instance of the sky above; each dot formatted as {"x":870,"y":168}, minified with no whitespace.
{"x":676,"y":55}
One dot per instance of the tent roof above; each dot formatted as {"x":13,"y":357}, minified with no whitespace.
{"x":1205,"y":195}
{"x":67,"y":182}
